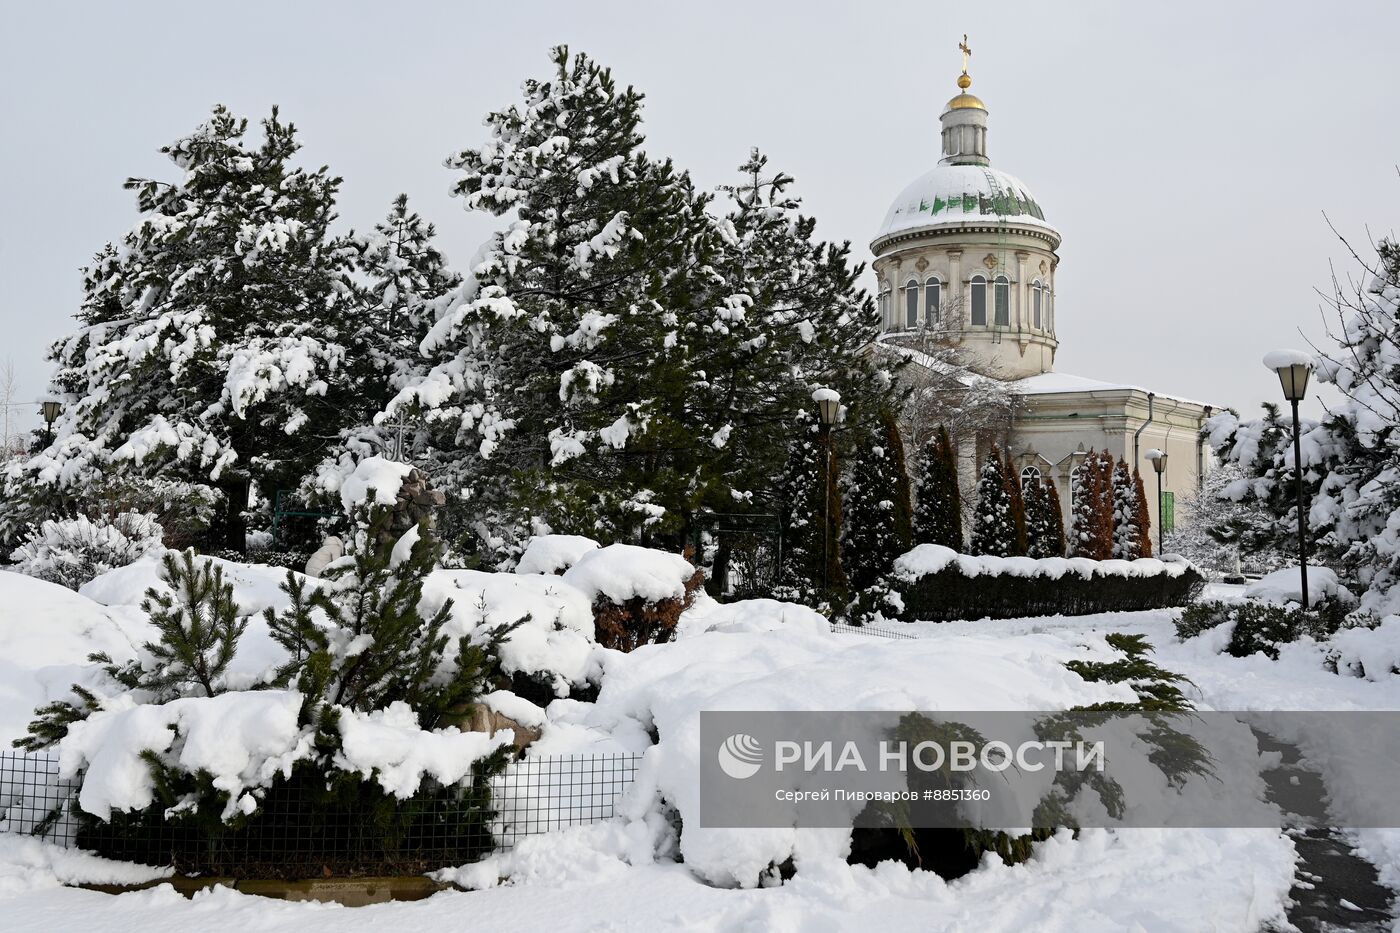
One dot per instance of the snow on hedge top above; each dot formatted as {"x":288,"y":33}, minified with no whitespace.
{"x":932,"y":558}
{"x":553,"y":553}
{"x":1278,"y":359}
{"x":624,"y":571}
{"x":1286,"y":586}
{"x":374,"y":481}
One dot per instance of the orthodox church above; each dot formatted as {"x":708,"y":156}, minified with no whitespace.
{"x":966,"y":251}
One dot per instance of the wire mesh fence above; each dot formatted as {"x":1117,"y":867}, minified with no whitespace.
{"x":874,"y":631}
{"x":34,"y":800}
{"x":302,"y":829}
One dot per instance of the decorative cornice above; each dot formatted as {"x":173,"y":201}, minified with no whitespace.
{"x":879,"y":244}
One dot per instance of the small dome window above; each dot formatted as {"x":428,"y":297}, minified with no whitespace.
{"x":911,"y":303}
{"x":979,"y":301}
{"x":933,"y":294}
{"x":1002,"y":288}
{"x":1036,"y":304}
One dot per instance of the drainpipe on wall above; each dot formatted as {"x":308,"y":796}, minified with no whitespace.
{"x":1151,"y":400}
{"x":1201,"y":451}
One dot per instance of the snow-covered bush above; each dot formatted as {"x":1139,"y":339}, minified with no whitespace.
{"x":934,"y":583}
{"x":1258,"y":626}
{"x":352,"y":760}
{"x":1366,"y":648}
{"x":638,"y":594}
{"x":72,"y":551}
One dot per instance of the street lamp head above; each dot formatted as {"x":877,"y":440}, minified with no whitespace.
{"x":50,"y":409}
{"x":828,"y":405}
{"x":1293,"y":368}
{"x":1158,"y":459}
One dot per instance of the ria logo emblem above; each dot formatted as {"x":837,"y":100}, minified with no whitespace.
{"x":740,"y":756}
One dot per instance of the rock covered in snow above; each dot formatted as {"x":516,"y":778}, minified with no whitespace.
{"x":553,"y":553}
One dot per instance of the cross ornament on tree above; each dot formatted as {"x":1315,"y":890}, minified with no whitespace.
{"x":751,"y":193}
{"x":966,"y":52}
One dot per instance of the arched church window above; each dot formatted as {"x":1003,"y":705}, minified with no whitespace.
{"x":1029,"y":476}
{"x":911,"y":303}
{"x":1035,"y":304}
{"x":1002,"y":289}
{"x":979,"y":300}
{"x":932,"y":299}
{"x":1049,"y":309}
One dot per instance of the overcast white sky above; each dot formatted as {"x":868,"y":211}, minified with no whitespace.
{"x":1185,"y":151}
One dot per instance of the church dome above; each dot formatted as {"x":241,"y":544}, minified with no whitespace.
{"x":966,"y":101}
{"x":958,"y":195}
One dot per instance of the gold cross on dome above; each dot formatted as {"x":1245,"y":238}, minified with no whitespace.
{"x":966,"y":50}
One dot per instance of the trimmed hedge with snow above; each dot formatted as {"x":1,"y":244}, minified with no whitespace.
{"x":933,"y":583}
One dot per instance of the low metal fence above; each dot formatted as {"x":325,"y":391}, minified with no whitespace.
{"x":531,"y":796}
{"x":873,"y":631}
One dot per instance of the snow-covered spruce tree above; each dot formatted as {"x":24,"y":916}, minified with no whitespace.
{"x":993,"y":524}
{"x":1016,"y":497}
{"x":212,"y":341}
{"x":938,"y":513}
{"x":1351,"y":460}
{"x":1045,"y":525}
{"x":1262,"y":449}
{"x":1091,"y":512}
{"x":812,"y":570}
{"x":876,"y":512}
{"x":1229,"y":527}
{"x":560,"y":374}
{"x":1130,"y":523}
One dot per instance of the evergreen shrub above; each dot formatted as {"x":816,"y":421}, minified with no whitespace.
{"x":1261,"y":626}
{"x":950,"y":593}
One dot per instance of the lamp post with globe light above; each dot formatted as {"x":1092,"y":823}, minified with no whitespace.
{"x":1293,"y":368}
{"x":828,"y":409}
{"x":1158,"y":459}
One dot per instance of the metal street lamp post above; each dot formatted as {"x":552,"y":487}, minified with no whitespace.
{"x":1159,"y":464}
{"x":828,"y":409}
{"x":50,"y":410}
{"x":1293,"y":368}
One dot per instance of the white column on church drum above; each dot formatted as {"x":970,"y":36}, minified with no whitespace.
{"x":1021,"y":320}
{"x":955,"y":285}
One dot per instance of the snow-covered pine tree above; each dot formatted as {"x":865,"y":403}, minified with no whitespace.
{"x":938,"y":514}
{"x":405,"y":280}
{"x":213,"y":340}
{"x":791,"y":318}
{"x":876,"y":512}
{"x":1091,"y":525}
{"x":812,"y":566}
{"x":993,"y":524}
{"x":1130,"y":528}
{"x":1045,"y":527}
{"x":561,"y":373}
{"x":1016,"y":498}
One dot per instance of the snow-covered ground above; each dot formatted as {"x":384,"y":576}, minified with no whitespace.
{"x":610,"y":877}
